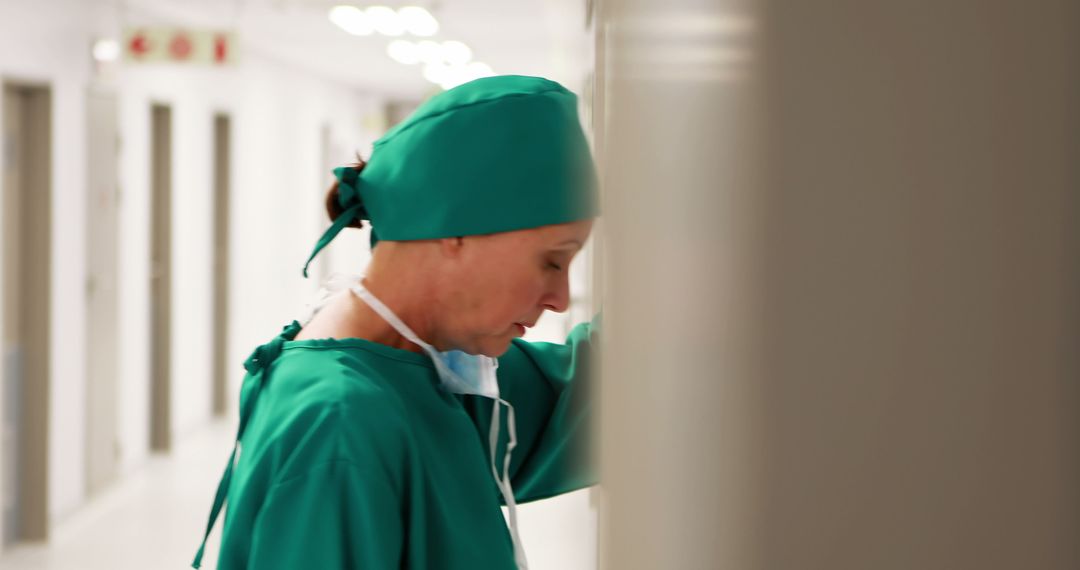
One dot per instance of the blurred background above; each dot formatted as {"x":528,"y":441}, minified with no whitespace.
{"x":165,"y":164}
{"x":839,"y":264}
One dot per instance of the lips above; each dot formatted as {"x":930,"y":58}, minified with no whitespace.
{"x":522,"y":328}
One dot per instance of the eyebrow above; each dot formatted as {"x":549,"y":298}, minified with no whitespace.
{"x":569,"y":242}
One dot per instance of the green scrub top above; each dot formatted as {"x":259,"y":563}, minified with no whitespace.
{"x":353,"y":457}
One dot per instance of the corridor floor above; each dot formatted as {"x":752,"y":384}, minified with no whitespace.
{"x":155,"y":518}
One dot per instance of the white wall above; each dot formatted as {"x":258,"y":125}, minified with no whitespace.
{"x":277,"y":112}
{"x":277,"y":186}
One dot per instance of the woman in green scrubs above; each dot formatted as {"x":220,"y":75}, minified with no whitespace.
{"x":387,"y":431}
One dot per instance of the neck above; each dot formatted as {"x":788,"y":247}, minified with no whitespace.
{"x":396,"y":282}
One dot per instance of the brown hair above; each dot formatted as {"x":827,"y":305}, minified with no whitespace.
{"x":333,"y":207}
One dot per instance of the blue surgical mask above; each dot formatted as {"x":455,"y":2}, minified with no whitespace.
{"x":469,"y":373}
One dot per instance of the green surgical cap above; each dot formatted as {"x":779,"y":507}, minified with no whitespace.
{"x":493,"y":155}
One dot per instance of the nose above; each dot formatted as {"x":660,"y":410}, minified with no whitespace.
{"x":557,"y":299}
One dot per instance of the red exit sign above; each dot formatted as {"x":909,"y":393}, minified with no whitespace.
{"x":179,"y":45}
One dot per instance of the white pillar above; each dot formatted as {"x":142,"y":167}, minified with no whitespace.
{"x":842,"y":297}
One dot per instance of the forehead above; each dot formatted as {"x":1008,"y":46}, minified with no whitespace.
{"x":557,"y":234}
{"x":570,"y":236}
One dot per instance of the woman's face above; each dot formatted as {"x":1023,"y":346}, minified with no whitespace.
{"x":500,"y":284}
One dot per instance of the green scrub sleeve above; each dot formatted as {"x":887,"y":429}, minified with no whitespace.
{"x":548,"y":384}
{"x":346,"y":520}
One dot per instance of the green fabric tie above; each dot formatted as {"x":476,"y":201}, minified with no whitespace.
{"x":255,"y":365}
{"x":353,"y":209}
{"x":339,"y":224}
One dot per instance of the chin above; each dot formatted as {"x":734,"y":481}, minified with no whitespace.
{"x":494,"y":348}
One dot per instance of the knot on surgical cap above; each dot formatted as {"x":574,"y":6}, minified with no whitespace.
{"x":351,"y":205}
{"x":348,"y":194}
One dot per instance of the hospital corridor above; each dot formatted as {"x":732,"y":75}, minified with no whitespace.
{"x":539,"y":284}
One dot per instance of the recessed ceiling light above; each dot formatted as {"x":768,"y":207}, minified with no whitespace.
{"x":436,"y":72}
{"x":478,"y":69}
{"x":106,"y":50}
{"x":418,"y":21}
{"x":456,"y":53}
{"x":429,"y":51}
{"x":385,"y":20}
{"x":403,"y":51}
{"x":352,"y":20}
{"x":450,"y":76}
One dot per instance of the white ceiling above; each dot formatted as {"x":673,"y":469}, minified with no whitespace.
{"x":531,"y":37}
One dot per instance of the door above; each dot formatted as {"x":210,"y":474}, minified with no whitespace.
{"x":24,"y":415}
{"x":222,"y":188}
{"x":160,"y":277}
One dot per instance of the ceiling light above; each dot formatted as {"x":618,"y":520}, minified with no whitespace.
{"x":106,"y":50}
{"x":403,"y":51}
{"x":418,"y":21}
{"x":450,"y":76}
{"x":456,"y":53}
{"x":453,"y":79}
{"x":451,"y":83}
{"x":385,"y":20}
{"x":436,"y":72}
{"x":429,"y":52}
{"x":478,"y":69}
{"x":352,"y":20}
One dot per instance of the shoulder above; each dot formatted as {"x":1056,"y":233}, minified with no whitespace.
{"x":320,"y":407}
{"x":318,"y":376}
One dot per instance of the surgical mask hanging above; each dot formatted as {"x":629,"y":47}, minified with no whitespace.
{"x":463,"y":373}
{"x":459,"y":372}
